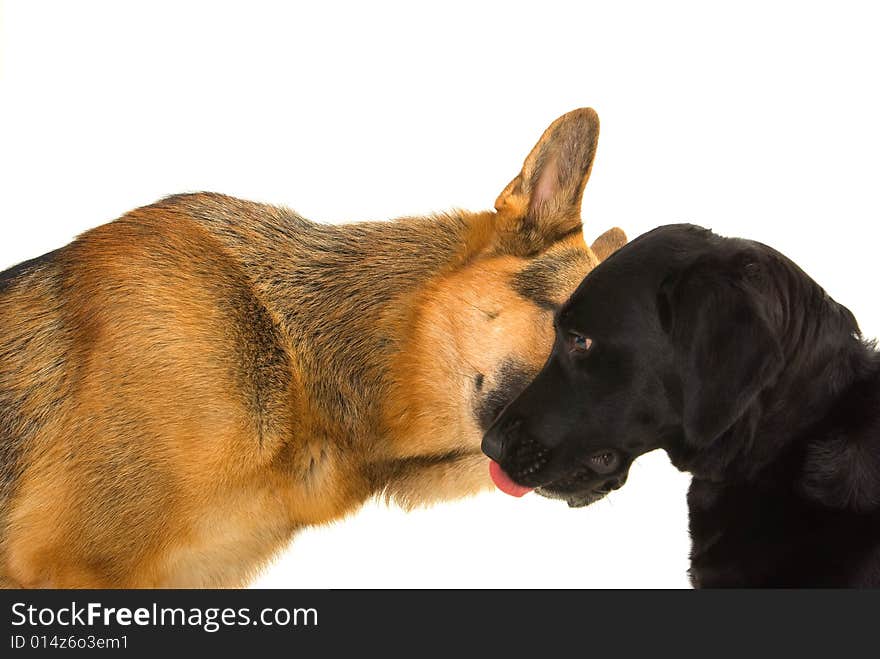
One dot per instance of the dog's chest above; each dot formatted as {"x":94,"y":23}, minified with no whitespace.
{"x":738,"y":534}
{"x":764,"y":535}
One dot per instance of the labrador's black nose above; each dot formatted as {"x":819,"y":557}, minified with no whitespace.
{"x":493,"y":443}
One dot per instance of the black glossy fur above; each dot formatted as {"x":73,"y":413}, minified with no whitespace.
{"x":728,"y":356}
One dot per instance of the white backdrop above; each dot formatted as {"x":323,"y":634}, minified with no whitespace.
{"x":760,"y":120}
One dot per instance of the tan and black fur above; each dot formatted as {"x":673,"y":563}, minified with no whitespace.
{"x":184,"y":388}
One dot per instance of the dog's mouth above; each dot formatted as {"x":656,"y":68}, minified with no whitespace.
{"x":505,"y":483}
{"x":577,"y":489}
{"x":530,"y":457}
{"x":580,"y":487}
{"x":573,"y":500}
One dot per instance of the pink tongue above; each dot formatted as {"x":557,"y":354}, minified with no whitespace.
{"x":504,"y":483}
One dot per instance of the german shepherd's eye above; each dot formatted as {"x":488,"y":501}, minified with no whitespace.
{"x":579,"y":343}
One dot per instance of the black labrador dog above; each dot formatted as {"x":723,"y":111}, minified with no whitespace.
{"x":728,"y":356}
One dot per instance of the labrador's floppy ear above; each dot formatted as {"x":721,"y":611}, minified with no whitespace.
{"x":724,"y":346}
{"x":543,"y":202}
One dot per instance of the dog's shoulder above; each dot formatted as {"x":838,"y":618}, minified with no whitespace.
{"x":842,"y":458}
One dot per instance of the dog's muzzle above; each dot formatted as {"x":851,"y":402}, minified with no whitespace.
{"x":519,"y":454}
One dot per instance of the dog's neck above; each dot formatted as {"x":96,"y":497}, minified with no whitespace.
{"x":342,"y":295}
{"x":772,"y":524}
{"x":827,"y":364}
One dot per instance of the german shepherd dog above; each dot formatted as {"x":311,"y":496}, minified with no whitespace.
{"x":728,"y":356}
{"x":184,"y":388}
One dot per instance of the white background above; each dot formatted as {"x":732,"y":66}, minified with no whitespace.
{"x":760,"y":120}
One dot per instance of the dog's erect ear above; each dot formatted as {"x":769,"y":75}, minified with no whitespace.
{"x":543,"y":203}
{"x":723,"y":343}
{"x":608,"y":243}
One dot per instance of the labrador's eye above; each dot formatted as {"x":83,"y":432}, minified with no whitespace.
{"x":579,"y":343}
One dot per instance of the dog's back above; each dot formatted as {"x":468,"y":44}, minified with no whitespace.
{"x":33,"y":351}
{"x":124,"y":341}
